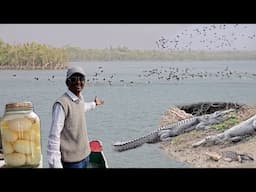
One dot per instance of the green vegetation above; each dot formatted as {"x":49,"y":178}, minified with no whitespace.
{"x":41,"y":56}
{"x":32,"y":56}
{"x":231,"y":121}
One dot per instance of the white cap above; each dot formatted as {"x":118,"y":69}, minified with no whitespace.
{"x":74,"y":70}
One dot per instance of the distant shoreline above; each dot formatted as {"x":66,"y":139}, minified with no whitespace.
{"x":64,"y":66}
{"x":34,"y":56}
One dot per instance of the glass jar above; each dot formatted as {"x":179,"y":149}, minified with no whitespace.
{"x":20,"y":131}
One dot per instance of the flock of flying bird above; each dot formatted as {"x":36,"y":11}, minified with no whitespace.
{"x":210,"y":37}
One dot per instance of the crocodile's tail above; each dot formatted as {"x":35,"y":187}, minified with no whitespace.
{"x":246,"y":157}
{"x":131,"y":144}
{"x":126,"y":145}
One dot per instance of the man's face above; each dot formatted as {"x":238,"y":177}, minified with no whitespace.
{"x":76,"y":83}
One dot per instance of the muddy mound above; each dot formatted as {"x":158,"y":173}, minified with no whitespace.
{"x":180,"y":147}
{"x":203,"y":108}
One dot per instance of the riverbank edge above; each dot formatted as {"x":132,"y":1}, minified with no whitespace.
{"x":180,"y":147}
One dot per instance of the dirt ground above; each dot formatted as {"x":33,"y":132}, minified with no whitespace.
{"x":180,"y":147}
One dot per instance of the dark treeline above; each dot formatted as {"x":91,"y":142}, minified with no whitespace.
{"x":123,"y":53}
{"x":41,"y":56}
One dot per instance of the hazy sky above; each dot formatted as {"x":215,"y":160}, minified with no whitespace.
{"x":133,"y":36}
{"x":141,"y":36}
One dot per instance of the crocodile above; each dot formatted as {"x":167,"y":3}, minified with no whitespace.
{"x":165,"y":133}
{"x":230,"y":156}
{"x":236,"y":133}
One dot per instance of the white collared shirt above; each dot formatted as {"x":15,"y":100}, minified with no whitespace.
{"x":58,"y":118}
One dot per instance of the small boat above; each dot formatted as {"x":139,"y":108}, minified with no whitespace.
{"x":97,"y":158}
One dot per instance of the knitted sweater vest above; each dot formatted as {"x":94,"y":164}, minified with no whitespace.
{"x":74,"y":143}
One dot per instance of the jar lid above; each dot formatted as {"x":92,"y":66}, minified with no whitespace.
{"x":25,"y":104}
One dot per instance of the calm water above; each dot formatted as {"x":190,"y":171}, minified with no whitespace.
{"x":136,"y":95}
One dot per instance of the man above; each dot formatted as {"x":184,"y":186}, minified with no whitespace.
{"x":68,"y":144}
